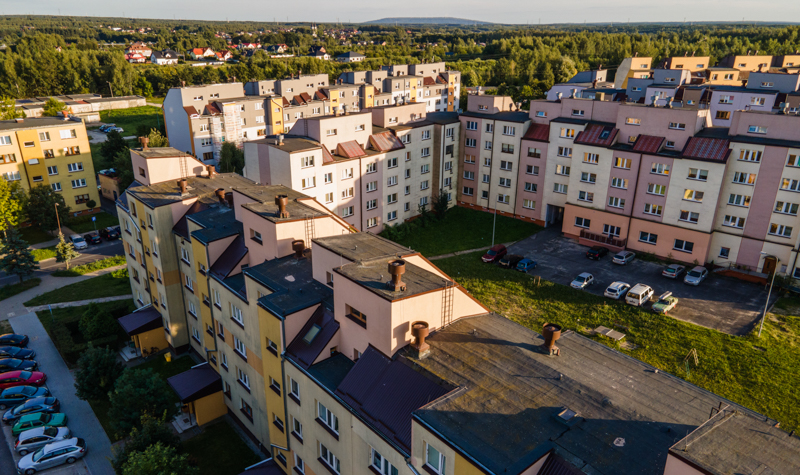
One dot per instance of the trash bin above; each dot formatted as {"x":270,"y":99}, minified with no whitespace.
{"x":168,"y":356}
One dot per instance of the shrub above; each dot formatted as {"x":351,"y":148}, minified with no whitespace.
{"x":153,"y":431}
{"x":96,"y":323}
{"x":98,"y":370}
{"x":138,"y":392}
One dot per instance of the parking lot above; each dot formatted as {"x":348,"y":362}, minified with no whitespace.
{"x":722,"y":303}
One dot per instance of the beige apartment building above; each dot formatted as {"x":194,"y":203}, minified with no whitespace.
{"x":50,"y":151}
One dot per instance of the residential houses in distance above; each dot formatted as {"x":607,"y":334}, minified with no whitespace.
{"x":350,"y":57}
{"x":138,"y":52}
{"x":85,"y":106}
{"x":338,"y":351}
{"x":164,"y":57}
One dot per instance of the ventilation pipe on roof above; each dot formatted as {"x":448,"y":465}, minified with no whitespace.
{"x":282,"y":201}
{"x":183,"y":184}
{"x":144,"y":141}
{"x":19,"y":120}
{"x":210,"y":170}
{"x":397,"y":268}
{"x":280,"y":139}
{"x":420,"y":331}
{"x":551,"y":334}
{"x":298,"y":246}
{"x":220,"y":192}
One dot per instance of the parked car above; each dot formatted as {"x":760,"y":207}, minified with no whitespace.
{"x":30,"y":440}
{"x":17,"y":395}
{"x":42,"y":419}
{"x":52,"y":455}
{"x":596,"y":252}
{"x":495,"y":253}
{"x":510,"y":261}
{"x":665,"y":303}
{"x":13,"y":339}
{"x":639,"y":295}
{"x":526,"y":264}
{"x":673,"y":271}
{"x":109,"y":234}
{"x":78,"y":242}
{"x":16,"y":352}
{"x":11,"y":364}
{"x":617,"y":290}
{"x":105,"y":127}
{"x":10,"y":379}
{"x":92,"y":238}
{"x":623,"y":257}
{"x":582,"y":281}
{"x":696,"y":275}
{"x":115,"y":129}
{"x":31,"y":406}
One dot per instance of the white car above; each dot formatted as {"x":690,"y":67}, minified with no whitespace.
{"x":696,"y":275}
{"x":623,"y":257}
{"x":30,"y":440}
{"x":639,"y":295}
{"x":582,"y":281}
{"x":78,"y":242}
{"x":617,"y":290}
{"x":52,"y":455}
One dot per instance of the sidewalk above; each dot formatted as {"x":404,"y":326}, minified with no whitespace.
{"x":65,"y":230}
{"x":78,"y":303}
{"x":458,"y":253}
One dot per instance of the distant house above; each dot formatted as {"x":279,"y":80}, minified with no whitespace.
{"x":245,"y":46}
{"x":350,"y":57}
{"x":224,"y":55}
{"x":140,"y":48}
{"x":276,"y":49}
{"x":200,"y":53}
{"x":135,"y":58}
{"x":163,"y":57}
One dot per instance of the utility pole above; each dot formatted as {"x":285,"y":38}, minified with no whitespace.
{"x":110,"y":89}
{"x":58,"y":220}
{"x":766,"y":305}
{"x":494,"y":220}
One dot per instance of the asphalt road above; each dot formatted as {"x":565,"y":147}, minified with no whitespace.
{"x":726,"y":304}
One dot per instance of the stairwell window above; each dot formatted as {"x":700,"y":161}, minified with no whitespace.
{"x":750,"y":155}
{"x":567,"y":133}
{"x":434,"y":460}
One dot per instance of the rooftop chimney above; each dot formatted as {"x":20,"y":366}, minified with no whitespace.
{"x":144,"y":141}
{"x":551,"y":334}
{"x":210,"y":170}
{"x":298,"y":246}
{"x":182,"y":184}
{"x":420,"y":331}
{"x":19,"y":120}
{"x":558,"y":96}
{"x":397,"y":268}
{"x":282,"y":201}
{"x":280,"y":139}
{"x":220,"y":192}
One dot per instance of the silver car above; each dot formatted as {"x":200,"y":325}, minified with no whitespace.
{"x":30,"y":440}
{"x":696,"y":275}
{"x":52,"y":455}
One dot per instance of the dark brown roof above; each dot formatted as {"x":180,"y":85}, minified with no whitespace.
{"x":230,"y":258}
{"x":428,"y":81}
{"x":385,"y":141}
{"x":305,"y":350}
{"x":181,"y":228}
{"x":191,"y":111}
{"x":320,"y":95}
{"x":212,"y":109}
{"x":594,"y":134}
{"x":305,"y":97}
{"x":538,"y":132}
{"x":385,"y":392}
{"x":705,"y":148}
{"x":648,"y":144}
{"x":350,"y":149}
{"x":141,"y":320}
{"x":195,"y":383}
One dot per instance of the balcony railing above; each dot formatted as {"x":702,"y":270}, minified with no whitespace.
{"x":604,"y":239}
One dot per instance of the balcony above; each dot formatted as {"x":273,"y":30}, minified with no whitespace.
{"x":604,"y":239}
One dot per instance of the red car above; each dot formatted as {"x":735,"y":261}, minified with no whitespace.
{"x":495,"y":253}
{"x":22,"y":378}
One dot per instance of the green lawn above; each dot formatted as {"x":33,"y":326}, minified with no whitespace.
{"x":166,"y":369}
{"x":84,"y":224}
{"x":44,"y":253}
{"x":219,"y":450}
{"x":460,"y":230}
{"x":759,"y":373}
{"x":11,"y":290}
{"x":130,"y":119}
{"x":34,"y":235}
{"x":91,"y":267}
{"x":106,"y":285}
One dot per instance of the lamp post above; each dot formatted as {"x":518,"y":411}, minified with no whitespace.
{"x":774,"y":271}
{"x":494,"y":220}
{"x":58,"y":220}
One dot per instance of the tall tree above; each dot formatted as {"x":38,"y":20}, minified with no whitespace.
{"x":52,"y":107}
{"x":153,"y":431}
{"x":8,"y":109}
{"x":156,"y":139}
{"x":231,"y":159}
{"x":41,"y":207}
{"x":113,"y":145}
{"x":98,"y":370}
{"x":12,"y":198}
{"x":17,"y":259}
{"x":65,"y":251}
{"x":136,"y":392}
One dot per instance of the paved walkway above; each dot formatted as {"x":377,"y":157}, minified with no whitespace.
{"x":81,"y":419}
{"x":41,"y":245}
{"x":458,"y":253}
{"x":79,"y":303}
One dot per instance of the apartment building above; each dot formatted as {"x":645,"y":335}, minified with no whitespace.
{"x":50,"y":151}
{"x":638,"y":67}
{"x":288,"y":87}
{"x":372,"y":168}
{"x":690,"y":63}
{"x":746,"y":62}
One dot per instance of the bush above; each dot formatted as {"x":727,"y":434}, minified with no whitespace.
{"x":96,"y":323}
{"x":138,"y":392}
{"x":154,"y":431}
{"x":91,"y":267}
{"x":98,"y":370}
{"x":62,"y":338}
{"x":91,"y":204}
{"x":158,"y":459}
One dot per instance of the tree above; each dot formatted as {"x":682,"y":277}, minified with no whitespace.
{"x":136,"y":392}
{"x":154,"y":431}
{"x":91,"y":204}
{"x":96,"y":323}
{"x":98,"y":370}
{"x":231,"y":159}
{"x":41,"y":207}
{"x":113,"y":145}
{"x":8,"y":109}
{"x":65,"y":251}
{"x":124,"y":167}
{"x":441,"y":203}
{"x":156,"y":139}
{"x":12,"y":197}
{"x":52,"y":107}
{"x":158,"y":459}
{"x":17,"y":258}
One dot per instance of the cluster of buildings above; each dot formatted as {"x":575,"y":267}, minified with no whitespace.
{"x":341,"y":352}
{"x":85,"y":106}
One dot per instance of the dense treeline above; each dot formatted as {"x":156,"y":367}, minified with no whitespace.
{"x":526,"y":61}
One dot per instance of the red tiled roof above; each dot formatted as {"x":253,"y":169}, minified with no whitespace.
{"x":385,"y":141}
{"x":305,"y":96}
{"x":426,"y":81}
{"x":198,"y":50}
{"x":212,"y":109}
{"x":326,"y":156}
{"x":298,"y":100}
{"x":706,"y":148}
{"x":191,"y":111}
{"x":320,"y":95}
{"x":595,"y":134}
{"x":286,"y":103}
{"x":350,"y":149}
{"x":538,"y":132}
{"x":648,"y":144}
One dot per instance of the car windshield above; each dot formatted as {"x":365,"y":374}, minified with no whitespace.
{"x":51,"y":431}
{"x":612,"y":290}
{"x":38,"y":454}
{"x":663,"y":301}
{"x":25,"y":374}
{"x":78,"y":239}
{"x":581,"y":278}
{"x":491,"y":253}
{"x":672,"y":269}
{"x":28,"y":390}
{"x":694,"y":273}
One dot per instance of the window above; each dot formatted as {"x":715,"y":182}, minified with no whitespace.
{"x":381,"y":465}
{"x":236,"y":314}
{"x":681,"y":245}
{"x":372,"y":204}
{"x":528,"y":204}
{"x":780,"y":230}
{"x":347,"y":192}
{"x":79,"y":183}
{"x":44,"y":136}
{"x":330,"y":132}
{"x":68,"y":134}
{"x":434,"y":459}
{"x":469,"y":175}
{"x":562,"y":170}
{"x":724,"y":252}
{"x":372,"y":186}
{"x":559,"y":188}
{"x":468,"y":191}
{"x":423,"y":169}
{"x":567,"y":133}
{"x":615,"y":202}
{"x":649,"y":238}
{"x":54,"y":186}
{"x":426,"y":152}
{"x":632,"y":121}
{"x":677,"y":126}
{"x":487,"y":162}
{"x":757,"y":101}
{"x":391,"y":216}
{"x":739,"y":200}
{"x":75,"y":167}
{"x":330,"y":460}
{"x":689,"y":216}
{"x":531,"y":187}
{"x":790,"y":185}
{"x":502,"y":198}
{"x":582,"y":222}
{"x":372,"y":167}
{"x":590,"y":158}
{"x":621,"y":183}
{"x":534,"y":152}
{"x":306,"y":162}
{"x":786,"y":208}
{"x":505,"y":182}
{"x":532,"y":170}
{"x":733,"y":221}
{"x":347,"y":211}
{"x":489,"y":128}
{"x":470,"y":142}
{"x":507,"y":148}
{"x":487,"y":145}
{"x":757,"y":129}
{"x":620,"y":162}
{"x":472,"y":125}
{"x":327,"y":417}
{"x":659,"y":169}
{"x":723,"y":115}
{"x":565,"y":152}
{"x":391,"y":163}
{"x":655,"y":189}
{"x":426,"y":135}
{"x":391,"y":198}
{"x":469,"y":159}
{"x":697,"y":174}
{"x":309,"y":182}
{"x":793,"y":161}
{"x":726,"y":99}
{"x":744,"y":178}
{"x":750,"y":155}
{"x":652,"y":209}
{"x":423,"y":185}
{"x":693,"y":195}
{"x":577,"y":112}
{"x":196,"y":334}
{"x":610,"y":230}
{"x":347,"y":173}
{"x":240,"y":347}
{"x":242,"y":376}
{"x":5,"y":140}
{"x":670,"y":144}
{"x":588,"y":177}
{"x":585,"y":196}
{"x":53,"y":170}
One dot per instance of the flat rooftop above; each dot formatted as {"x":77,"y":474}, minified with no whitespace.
{"x":159,"y":152}
{"x":292,"y":283}
{"x":506,"y":410}
{"x":361,"y":246}
{"x":373,"y":274}
{"x":291,"y":143}
{"x":203,"y":188}
{"x":264,"y":204}
{"x":217,"y":222}
{"x":37,"y":123}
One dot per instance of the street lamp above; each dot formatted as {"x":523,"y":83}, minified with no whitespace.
{"x":58,"y":220}
{"x":494,"y":220}
{"x":774,"y":271}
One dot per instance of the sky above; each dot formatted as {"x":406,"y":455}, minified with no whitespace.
{"x":358,"y":11}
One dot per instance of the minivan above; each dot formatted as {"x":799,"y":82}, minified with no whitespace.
{"x":639,"y":294}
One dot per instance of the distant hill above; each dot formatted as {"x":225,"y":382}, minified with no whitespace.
{"x":427,"y":21}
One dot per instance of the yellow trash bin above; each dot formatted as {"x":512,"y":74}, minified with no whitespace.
{"x":168,"y":356}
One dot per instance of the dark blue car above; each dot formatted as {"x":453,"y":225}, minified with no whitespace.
{"x":13,"y":364}
{"x":526,"y":264}
{"x":12,"y":339}
{"x":17,"y":395}
{"x":15,"y":352}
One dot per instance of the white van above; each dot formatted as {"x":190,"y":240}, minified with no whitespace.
{"x":639,"y":294}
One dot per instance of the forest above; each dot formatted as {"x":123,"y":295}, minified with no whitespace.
{"x":525,"y":60}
